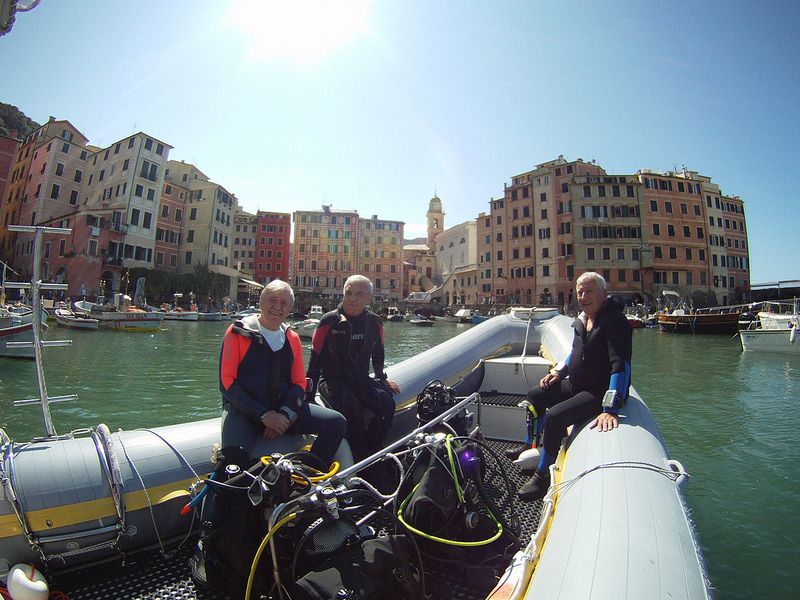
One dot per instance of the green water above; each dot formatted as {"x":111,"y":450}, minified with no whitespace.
{"x":730,"y":419}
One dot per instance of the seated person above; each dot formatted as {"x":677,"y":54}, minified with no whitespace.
{"x":575,"y":391}
{"x":263,"y":385}
{"x":344,"y":342}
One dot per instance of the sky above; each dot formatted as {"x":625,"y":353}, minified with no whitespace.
{"x":377,"y":105}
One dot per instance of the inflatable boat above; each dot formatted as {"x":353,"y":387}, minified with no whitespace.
{"x":614,"y":523}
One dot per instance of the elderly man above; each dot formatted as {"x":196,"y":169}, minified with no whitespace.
{"x":344,"y":342}
{"x":263,"y":384}
{"x":593,"y":381}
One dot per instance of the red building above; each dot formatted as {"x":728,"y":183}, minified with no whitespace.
{"x":169,"y":226}
{"x":8,"y":148}
{"x":272,"y":246}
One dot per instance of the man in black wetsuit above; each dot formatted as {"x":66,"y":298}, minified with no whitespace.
{"x":344,"y":343}
{"x":593,"y":381}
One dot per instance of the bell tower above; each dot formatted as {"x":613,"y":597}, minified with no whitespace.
{"x":435,"y":217}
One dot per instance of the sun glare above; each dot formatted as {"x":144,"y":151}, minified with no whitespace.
{"x":303,"y":30}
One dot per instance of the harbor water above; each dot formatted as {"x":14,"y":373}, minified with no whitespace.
{"x":730,"y":418}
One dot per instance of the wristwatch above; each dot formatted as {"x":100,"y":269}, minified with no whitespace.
{"x":609,"y":399}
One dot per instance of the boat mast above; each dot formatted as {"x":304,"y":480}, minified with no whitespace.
{"x":36,"y":286}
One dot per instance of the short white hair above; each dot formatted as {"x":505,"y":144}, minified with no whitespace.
{"x":277,"y":286}
{"x":596,"y":277}
{"x":357,"y":279}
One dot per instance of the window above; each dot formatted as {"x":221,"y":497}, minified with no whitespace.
{"x":621,"y":275}
{"x":178,"y":215}
{"x":151,"y":194}
{"x":59,"y":169}
{"x":684,"y":209}
{"x":587,"y":191}
{"x":688,"y":252}
{"x":686,"y":232}
{"x":78,"y":176}
{"x":620,"y":253}
{"x":657,"y":252}
{"x":546,"y":270}
{"x":55,"y":191}
{"x":188,"y":258}
{"x":193,"y":214}
{"x":606,"y":253}
{"x":673,"y":253}
{"x":656,"y":229}
{"x":73,"y":197}
{"x":135,"y":216}
{"x":147,"y":220}
{"x":671,"y":230}
{"x":668,"y":207}
{"x":589,"y":253}
{"x":164,"y":211}
{"x":139,"y":191}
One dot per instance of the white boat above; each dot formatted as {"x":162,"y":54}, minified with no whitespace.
{"x":181,"y":315}
{"x":210,"y":316}
{"x":72,"y":320}
{"x":130,"y":319}
{"x":783,"y":341}
{"x":250,"y":310}
{"x":14,"y":330}
{"x":316,"y":312}
{"x":613,"y":525}
{"x":421,"y":322}
{"x":305,"y":328}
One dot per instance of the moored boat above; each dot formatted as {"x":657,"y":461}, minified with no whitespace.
{"x":777,"y":331}
{"x":210,"y":316}
{"x":74,"y":320}
{"x":12,"y":331}
{"x":421,"y":322}
{"x":127,"y":319}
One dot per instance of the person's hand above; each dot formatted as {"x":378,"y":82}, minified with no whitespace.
{"x":275,"y":424}
{"x":605,"y":422}
{"x":548,"y":380}
{"x":392,"y":385}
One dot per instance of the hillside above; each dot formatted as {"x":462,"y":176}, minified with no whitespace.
{"x":13,"y":119}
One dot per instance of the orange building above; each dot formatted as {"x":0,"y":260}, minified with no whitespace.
{"x":169,"y":226}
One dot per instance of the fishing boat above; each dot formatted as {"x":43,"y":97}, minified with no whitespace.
{"x":613,"y":524}
{"x":121,"y":315}
{"x":74,"y":320}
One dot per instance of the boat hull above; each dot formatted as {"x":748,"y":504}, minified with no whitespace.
{"x":781,"y":341}
{"x":71,"y":321}
{"x":16,"y":333}
{"x":210,"y":316}
{"x":700,"y":323}
{"x":181,"y":316}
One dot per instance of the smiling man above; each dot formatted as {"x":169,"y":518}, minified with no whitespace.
{"x":344,"y":343}
{"x":263,"y":385}
{"x":592,"y":382}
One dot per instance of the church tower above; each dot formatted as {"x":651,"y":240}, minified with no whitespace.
{"x":435,"y":217}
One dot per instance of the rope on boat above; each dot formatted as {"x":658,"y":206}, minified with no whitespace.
{"x":147,"y":495}
{"x":625,"y":464}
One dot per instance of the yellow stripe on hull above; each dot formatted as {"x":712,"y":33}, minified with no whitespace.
{"x":50,"y":519}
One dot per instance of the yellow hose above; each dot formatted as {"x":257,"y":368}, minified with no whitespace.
{"x":260,"y":551}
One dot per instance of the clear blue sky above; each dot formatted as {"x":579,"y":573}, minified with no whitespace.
{"x":373,"y":105}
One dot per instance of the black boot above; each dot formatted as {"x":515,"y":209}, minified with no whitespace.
{"x":535,"y":488}
{"x":514,"y":452}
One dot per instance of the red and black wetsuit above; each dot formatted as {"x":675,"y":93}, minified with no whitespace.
{"x":341,"y":351}
{"x":254,"y":379}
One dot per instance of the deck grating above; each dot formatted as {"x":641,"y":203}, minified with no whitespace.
{"x":150,"y":576}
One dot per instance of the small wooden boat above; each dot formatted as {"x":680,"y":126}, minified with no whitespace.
{"x":72,"y":320}
{"x":130,"y":319}
{"x":422,"y":322}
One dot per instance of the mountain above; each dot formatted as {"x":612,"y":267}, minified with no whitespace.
{"x":14,"y":120}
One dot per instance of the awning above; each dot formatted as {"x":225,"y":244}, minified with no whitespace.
{"x":251,"y":282}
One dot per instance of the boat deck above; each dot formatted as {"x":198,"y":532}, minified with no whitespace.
{"x":150,"y":576}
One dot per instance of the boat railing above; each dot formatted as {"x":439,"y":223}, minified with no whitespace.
{"x":36,"y":286}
